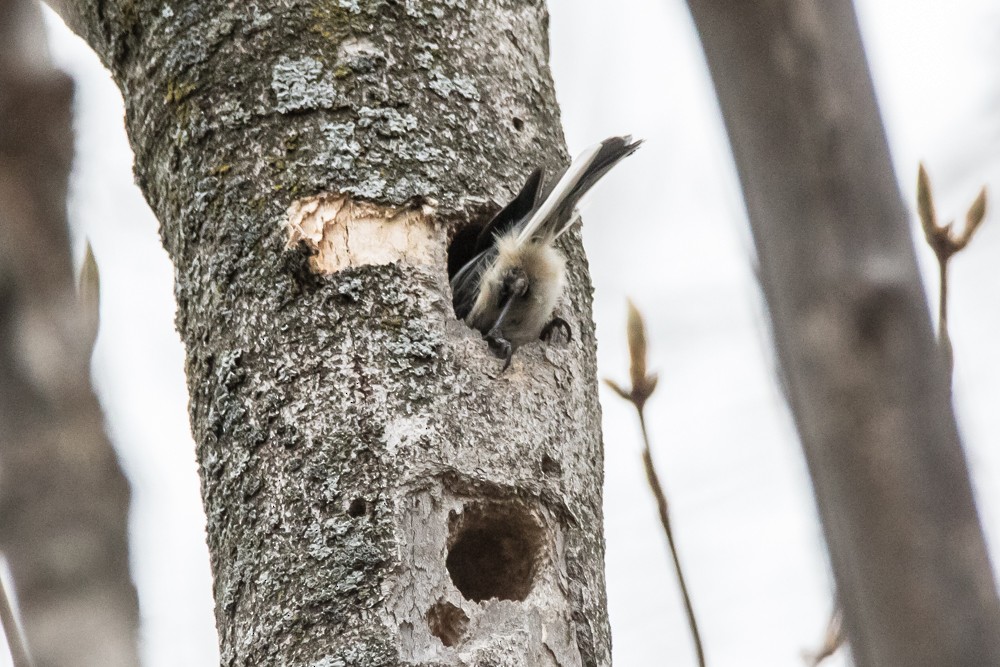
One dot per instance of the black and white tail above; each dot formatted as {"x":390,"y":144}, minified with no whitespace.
{"x":537,"y":215}
{"x":555,"y":215}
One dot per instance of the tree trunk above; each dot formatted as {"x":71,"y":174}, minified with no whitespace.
{"x":866,"y":379}
{"x":63,"y":498}
{"x":377,"y":492}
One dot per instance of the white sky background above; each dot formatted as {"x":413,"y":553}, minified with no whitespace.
{"x":666,"y":228}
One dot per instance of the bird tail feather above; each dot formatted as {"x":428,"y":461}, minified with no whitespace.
{"x":555,"y":215}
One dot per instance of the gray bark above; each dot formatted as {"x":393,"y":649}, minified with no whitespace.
{"x":63,"y":498}
{"x":866,"y":379}
{"x":375,"y":493}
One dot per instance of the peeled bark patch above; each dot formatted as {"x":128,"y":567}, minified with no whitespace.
{"x":342,"y":233}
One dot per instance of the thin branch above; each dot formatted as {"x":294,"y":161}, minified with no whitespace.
{"x":944,"y":340}
{"x":661,"y":503}
{"x":945,"y":243}
{"x":643,"y":386}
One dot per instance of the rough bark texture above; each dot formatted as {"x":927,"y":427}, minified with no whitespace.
{"x":866,"y":379}
{"x":63,"y":498}
{"x":376,"y":494}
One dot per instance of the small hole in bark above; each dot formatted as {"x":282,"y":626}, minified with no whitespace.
{"x":358,"y":507}
{"x":550,"y":466}
{"x":447,"y":622}
{"x":518,"y":124}
{"x":494,"y":551}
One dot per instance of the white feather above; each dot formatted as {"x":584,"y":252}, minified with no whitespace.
{"x":559,"y":192}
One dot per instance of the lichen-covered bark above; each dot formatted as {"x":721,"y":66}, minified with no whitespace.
{"x":63,"y":497}
{"x":377,"y":492}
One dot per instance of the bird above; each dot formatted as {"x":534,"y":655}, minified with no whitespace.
{"x":511,"y":286}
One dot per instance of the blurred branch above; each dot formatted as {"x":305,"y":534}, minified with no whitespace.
{"x":12,"y":628}
{"x":851,"y":326}
{"x":89,"y":292}
{"x":63,"y":497}
{"x":643,"y":386}
{"x":832,"y":640}
{"x":945,"y":242}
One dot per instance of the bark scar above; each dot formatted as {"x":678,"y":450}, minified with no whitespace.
{"x":341,"y":232}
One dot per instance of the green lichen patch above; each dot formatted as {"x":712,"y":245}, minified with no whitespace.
{"x":337,"y":19}
{"x":177,"y":91}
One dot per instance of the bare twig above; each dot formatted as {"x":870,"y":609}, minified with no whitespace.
{"x":643,"y":386}
{"x":89,"y":292}
{"x":945,"y":242}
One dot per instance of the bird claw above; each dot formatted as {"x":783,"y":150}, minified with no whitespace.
{"x":502,"y":348}
{"x":556,"y":323}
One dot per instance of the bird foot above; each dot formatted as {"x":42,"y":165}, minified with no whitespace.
{"x":502,"y":348}
{"x":556,"y":323}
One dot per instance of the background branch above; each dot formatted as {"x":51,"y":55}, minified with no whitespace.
{"x":63,"y":498}
{"x":867,"y":385}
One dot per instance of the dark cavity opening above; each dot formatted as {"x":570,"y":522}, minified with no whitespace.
{"x":462,"y":248}
{"x":494,"y":552}
{"x":550,"y":466}
{"x":358,"y":507}
{"x":518,"y":124}
{"x":447,"y":622}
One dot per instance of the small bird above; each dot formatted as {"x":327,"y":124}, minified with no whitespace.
{"x":516,"y":276}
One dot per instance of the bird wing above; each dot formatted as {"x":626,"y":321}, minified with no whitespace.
{"x":465,"y":283}
{"x":514,"y":212}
